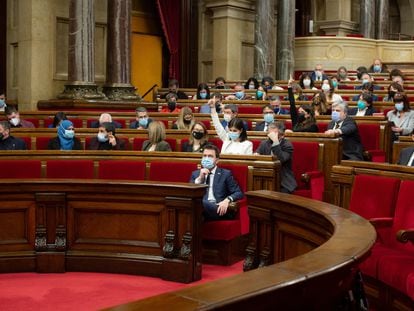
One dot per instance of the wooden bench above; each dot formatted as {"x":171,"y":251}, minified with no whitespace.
{"x":383,"y":194}
{"x":313,"y":248}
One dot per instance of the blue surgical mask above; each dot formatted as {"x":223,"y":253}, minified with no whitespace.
{"x":259,"y":94}
{"x":207,"y":163}
{"x":361,"y":105}
{"x":326,"y":87}
{"x":239,"y":95}
{"x":143,"y":122}
{"x":234,"y":135}
{"x":268,"y":117}
{"x":203,"y":95}
{"x":335,"y":116}
{"x":102,"y":137}
{"x":377,"y":68}
{"x":364,"y":81}
{"x":399,"y":106}
{"x":69,"y":134}
{"x":334,"y":84}
{"x":2,"y":103}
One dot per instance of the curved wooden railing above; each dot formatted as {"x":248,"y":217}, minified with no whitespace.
{"x":320,"y":244}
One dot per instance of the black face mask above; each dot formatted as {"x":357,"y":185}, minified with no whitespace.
{"x":220,"y":87}
{"x":197,"y":135}
{"x":301,"y":117}
{"x":187,"y":121}
{"x":172,"y":105}
{"x":218,"y":108}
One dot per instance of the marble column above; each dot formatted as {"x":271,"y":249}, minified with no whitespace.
{"x":367,"y":20}
{"x":383,"y":20}
{"x":285,"y":61}
{"x":118,"y":64}
{"x":265,"y":37}
{"x":81,"y":66}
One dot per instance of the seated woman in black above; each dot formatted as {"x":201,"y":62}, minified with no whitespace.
{"x":303,"y":119}
{"x":198,"y":138}
{"x":106,"y":140}
{"x":66,"y":139}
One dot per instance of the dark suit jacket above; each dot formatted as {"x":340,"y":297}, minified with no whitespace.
{"x":260,"y":126}
{"x":161,"y":146}
{"x":284,"y":153}
{"x":313,"y":76}
{"x":95,"y":144}
{"x":12,"y":143}
{"x":224,"y":185}
{"x":353,"y":111}
{"x":135,"y":124}
{"x":245,"y":125}
{"x":405,"y":155}
{"x":352,"y":147}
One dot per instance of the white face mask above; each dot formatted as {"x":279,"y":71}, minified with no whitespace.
{"x":15,"y":121}
{"x":251,"y":87}
{"x":227,"y":117}
{"x":306,"y":82}
{"x":326,"y":87}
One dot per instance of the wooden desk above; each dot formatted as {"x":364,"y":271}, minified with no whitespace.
{"x":143,"y":228}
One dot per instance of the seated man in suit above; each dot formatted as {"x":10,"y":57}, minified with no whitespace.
{"x":8,"y":142}
{"x":407,"y":155}
{"x":141,"y":120}
{"x":278,"y":145}
{"x":318,"y":74}
{"x":222,"y":190}
{"x":230,"y":112}
{"x":106,"y":139}
{"x":344,"y":126}
{"x":105,"y":117}
{"x":268,"y":117}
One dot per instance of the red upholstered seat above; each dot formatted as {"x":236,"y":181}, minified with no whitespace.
{"x":374,"y":196}
{"x":171,"y":171}
{"x":119,"y":169}
{"x":216,"y":141}
{"x":70,"y":169}
{"x":28,"y":142}
{"x":306,"y":161}
{"x":256,"y":143}
{"x":370,"y":138}
{"x":206,"y":123}
{"x":35,"y":121}
{"x":77,"y":123}
{"x":172,"y":142}
{"x":20,"y":169}
{"x":322,"y":127}
{"x":245,"y":109}
{"x":137,"y":143}
{"x":391,"y":261}
{"x":288,"y":125}
{"x":42,"y":142}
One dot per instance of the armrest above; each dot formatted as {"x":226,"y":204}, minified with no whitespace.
{"x":375,"y":155}
{"x":404,"y":236}
{"x":383,"y":227}
{"x":367,"y":156}
{"x":306,"y":177}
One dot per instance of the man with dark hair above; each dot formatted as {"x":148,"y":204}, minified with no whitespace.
{"x":142,"y":121}
{"x":171,"y":99}
{"x":8,"y":142}
{"x":222,"y":187}
{"x":106,"y":139}
{"x":219,"y":105}
{"x":220,"y":83}
{"x":173,"y":88}
{"x":268,"y":117}
{"x":230,"y":112}
{"x":14,"y":118}
{"x":279,"y":146}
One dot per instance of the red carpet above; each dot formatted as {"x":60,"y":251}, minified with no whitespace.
{"x":88,"y":291}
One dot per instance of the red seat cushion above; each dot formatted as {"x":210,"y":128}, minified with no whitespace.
{"x":70,"y":169}
{"x":120,"y":169}
{"x":28,"y":142}
{"x":137,"y":143}
{"x":221,"y":230}
{"x":374,"y":196}
{"x":395,"y":270}
{"x":305,"y":159}
{"x":20,"y":169}
{"x":171,"y":171}
{"x":216,"y":141}
{"x":42,"y":142}
{"x":370,"y":137}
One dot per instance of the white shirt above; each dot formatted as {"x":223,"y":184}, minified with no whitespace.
{"x":230,"y":146}
{"x":210,"y":186}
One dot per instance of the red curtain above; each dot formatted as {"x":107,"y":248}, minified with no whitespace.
{"x":169,"y":11}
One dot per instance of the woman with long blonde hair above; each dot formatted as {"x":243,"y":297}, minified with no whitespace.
{"x":156,"y":138}
{"x":185,"y":119}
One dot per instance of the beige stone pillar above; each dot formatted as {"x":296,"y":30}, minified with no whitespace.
{"x":337,"y":18}
{"x":233,"y":24}
{"x":383,"y":19}
{"x":285,"y":61}
{"x":29,"y":56}
{"x":367,"y":21}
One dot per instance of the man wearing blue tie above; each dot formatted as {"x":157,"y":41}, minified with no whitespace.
{"x":222,"y":187}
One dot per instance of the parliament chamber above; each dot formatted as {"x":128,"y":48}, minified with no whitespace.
{"x":342,"y":240}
